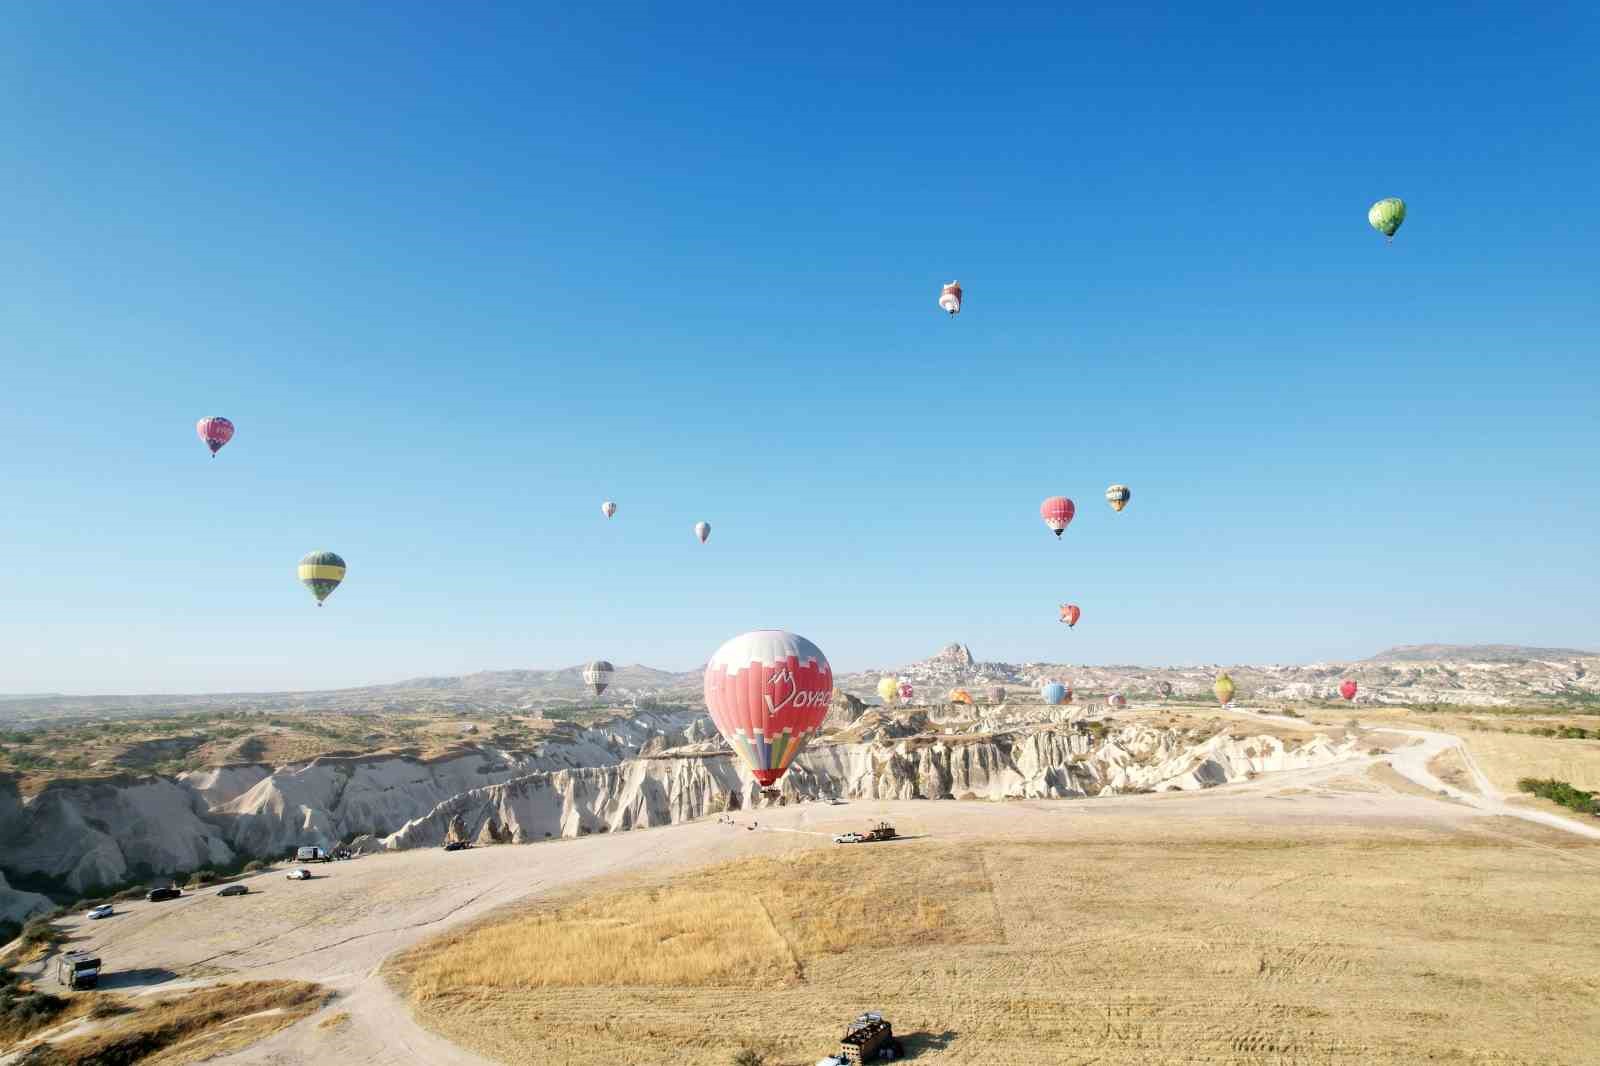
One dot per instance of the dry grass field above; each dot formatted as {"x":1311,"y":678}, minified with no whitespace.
{"x":185,"y":1028}
{"x":1127,"y":943}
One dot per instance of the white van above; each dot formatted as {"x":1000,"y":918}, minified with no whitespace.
{"x":311,"y":854}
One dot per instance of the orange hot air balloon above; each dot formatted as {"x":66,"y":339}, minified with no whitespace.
{"x":961,"y":695}
{"x":1057,"y":512}
{"x":1070,"y":614}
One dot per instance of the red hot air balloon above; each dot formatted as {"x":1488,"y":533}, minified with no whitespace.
{"x":768,"y":693}
{"x":215,"y":431}
{"x":1069,"y":614}
{"x":1348,"y":690}
{"x":1057,"y":513}
{"x":906,"y":692}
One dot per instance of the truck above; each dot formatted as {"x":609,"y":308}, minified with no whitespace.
{"x":869,"y":1039}
{"x":78,"y":969}
{"x":311,"y":853}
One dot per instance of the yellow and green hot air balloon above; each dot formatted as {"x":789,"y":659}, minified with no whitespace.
{"x":1223,"y":688}
{"x":1386,"y":215}
{"x":321,"y":572}
{"x":888,"y":689}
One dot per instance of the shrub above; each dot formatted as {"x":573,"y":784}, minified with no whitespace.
{"x":201,"y":877}
{"x":39,"y":931}
{"x":254,"y":866}
{"x":748,"y":1057}
{"x":1560,"y":792}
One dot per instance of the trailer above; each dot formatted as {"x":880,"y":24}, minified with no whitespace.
{"x":881,"y":831}
{"x":78,"y":969}
{"x":869,"y":1039}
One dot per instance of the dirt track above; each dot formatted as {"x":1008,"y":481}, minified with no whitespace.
{"x":340,"y":927}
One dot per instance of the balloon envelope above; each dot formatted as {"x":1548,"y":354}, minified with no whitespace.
{"x":906,"y":692}
{"x":321,"y":572}
{"x":960,"y":695}
{"x":1347,"y":690}
{"x":1165,"y":688}
{"x":997,"y":694}
{"x":768,"y":692}
{"x":1057,"y":512}
{"x":1116,"y":699}
{"x":950,"y":298}
{"x":608,"y":508}
{"x":888,"y":689}
{"x":1070,"y":614}
{"x":1118,"y":496}
{"x":1385,"y":216}
{"x":215,"y":431}
{"x":1223,"y":688}
{"x":597,"y":675}
{"x":702,"y":530}
{"x":1054,"y":693}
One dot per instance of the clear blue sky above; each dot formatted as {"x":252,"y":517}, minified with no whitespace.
{"x":460,"y":272}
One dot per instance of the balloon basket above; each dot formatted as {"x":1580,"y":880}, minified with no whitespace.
{"x":771,"y":795}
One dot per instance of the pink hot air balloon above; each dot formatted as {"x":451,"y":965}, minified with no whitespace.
{"x":215,"y":431}
{"x":1070,"y":614}
{"x":1348,"y":690}
{"x":950,"y":299}
{"x":768,"y":692}
{"x":906,"y":692}
{"x":1057,"y":513}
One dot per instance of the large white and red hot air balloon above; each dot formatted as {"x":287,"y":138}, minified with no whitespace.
{"x":768,"y":692}
{"x":950,"y":298}
{"x":1057,"y":513}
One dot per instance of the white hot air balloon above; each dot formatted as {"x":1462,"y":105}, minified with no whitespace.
{"x":597,"y":675}
{"x":608,"y":508}
{"x":702,"y":530}
{"x":950,"y":298}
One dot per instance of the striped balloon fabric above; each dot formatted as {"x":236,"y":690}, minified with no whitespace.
{"x":215,"y":431}
{"x":768,"y":692}
{"x":1057,"y":512}
{"x":321,"y":572}
{"x":597,"y":675}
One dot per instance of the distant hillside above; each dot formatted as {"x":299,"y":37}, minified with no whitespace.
{"x":1475,"y":653}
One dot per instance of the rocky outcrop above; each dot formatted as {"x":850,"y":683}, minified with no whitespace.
{"x":18,"y":906}
{"x":843,"y":710}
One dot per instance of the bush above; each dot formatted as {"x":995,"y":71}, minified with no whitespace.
{"x":748,"y":1057}
{"x":200,"y":878}
{"x":40,"y":931}
{"x":1560,"y":792}
{"x":254,"y":866}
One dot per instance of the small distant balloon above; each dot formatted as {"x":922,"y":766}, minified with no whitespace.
{"x":702,"y":531}
{"x":1055,"y":693}
{"x":888,"y":689}
{"x":215,"y":431}
{"x":906,"y":692}
{"x":1118,"y":496}
{"x":597,"y":675}
{"x":321,"y":572}
{"x":950,"y":298}
{"x":1057,"y":512}
{"x":608,"y":508}
{"x":1348,"y":690}
{"x":997,"y":694}
{"x":961,"y":695}
{"x":1223,"y":688}
{"x":1116,"y":699}
{"x":1165,"y":688}
{"x":1070,"y":614}
{"x":1385,"y":216}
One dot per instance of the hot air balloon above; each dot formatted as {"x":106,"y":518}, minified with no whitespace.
{"x":1348,"y":690}
{"x":1116,"y":699}
{"x":1070,"y":614}
{"x":888,"y":689}
{"x":1057,"y":513}
{"x":906,"y":692}
{"x":768,"y":692}
{"x":1385,"y":216}
{"x":215,"y":431}
{"x":1223,"y":688}
{"x":1165,"y":688}
{"x":1055,"y":693}
{"x":1118,"y":496}
{"x":597,"y":675}
{"x":608,"y":508}
{"x":961,"y":695}
{"x":321,"y":572}
{"x":997,"y":694}
{"x":702,"y":530}
{"x":950,"y":298}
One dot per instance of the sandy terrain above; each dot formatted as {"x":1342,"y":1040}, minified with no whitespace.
{"x":341,"y":927}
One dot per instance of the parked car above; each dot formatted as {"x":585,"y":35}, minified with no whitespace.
{"x":156,"y":895}
{"x":234,"y":890}
{"x":849,"y":838}
{"x":299,"y":875}
{"x":457,"y":845}
{"x":103,"y":911}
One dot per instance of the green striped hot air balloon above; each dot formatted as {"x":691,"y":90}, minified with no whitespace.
{"x":321,"y":572}
{"x":1386,"y":215}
